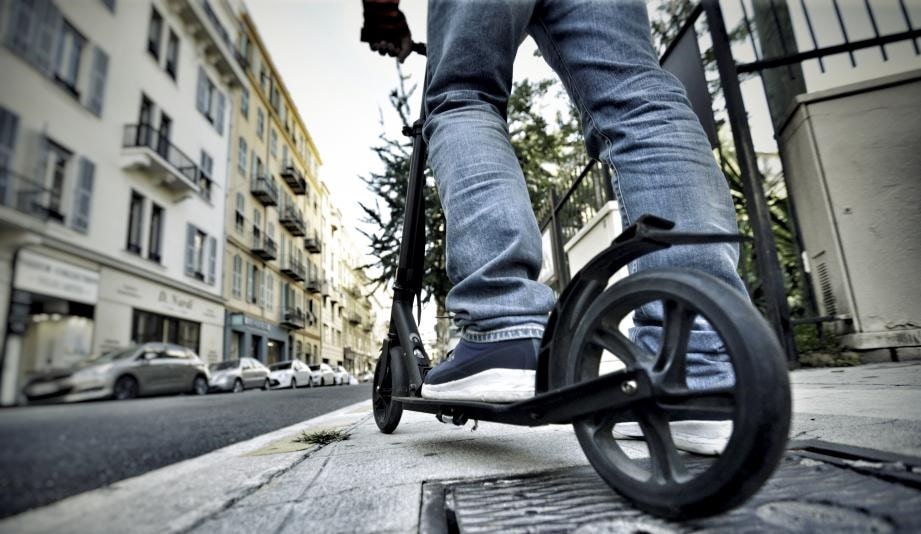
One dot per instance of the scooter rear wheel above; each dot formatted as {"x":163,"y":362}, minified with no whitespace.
{"x":387,"y":412}
{"x":666,"y":482}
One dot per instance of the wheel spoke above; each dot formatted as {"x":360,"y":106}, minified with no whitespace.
{"x":703,"y":403}
{"x":676,"y":331}
{"x":667,"y":465}
{"x":615,"y":342}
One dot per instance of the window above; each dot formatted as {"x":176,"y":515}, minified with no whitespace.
{"x":260,"y":123}
{"x":205,"y":172}
{"x":237,"y":279}
{"x":241,"y":156}
{"x":153,"y":327}
{"x":155,"y":239}
{"x":244,"y":103}
{"x":209,"y":101}
{"x":273,"y":142}
{"x":284,"y":155}
{"x":172,"y":54}
{"x":135,"y":222}
{"x":163,"y":135}
{"x":240,"y":218}
{"x":154,"y":33}
{"x":198,"y":253}
{"x":67,"y":65}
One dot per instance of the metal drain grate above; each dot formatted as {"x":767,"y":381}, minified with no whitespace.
{"x":804,"y":495}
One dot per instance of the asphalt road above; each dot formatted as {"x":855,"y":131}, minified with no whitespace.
{"x":48,"y":453}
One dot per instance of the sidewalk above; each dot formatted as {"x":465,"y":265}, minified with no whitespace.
{"x":396,"y":483}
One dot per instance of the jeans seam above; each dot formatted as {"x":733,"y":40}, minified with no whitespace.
{"x":591,"y":118}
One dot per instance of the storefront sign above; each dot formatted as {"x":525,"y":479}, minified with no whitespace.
{"x":41,"y":274}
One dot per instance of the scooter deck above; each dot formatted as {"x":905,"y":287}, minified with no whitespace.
{"x":561,"y":406}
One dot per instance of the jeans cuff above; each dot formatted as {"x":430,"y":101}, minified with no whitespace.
{"x":523,"y":331}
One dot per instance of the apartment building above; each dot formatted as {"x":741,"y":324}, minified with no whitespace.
{"x":273,"y":248}
{"x":114,"y":135}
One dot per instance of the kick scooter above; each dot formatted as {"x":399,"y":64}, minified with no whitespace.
{"x":572,"y":387}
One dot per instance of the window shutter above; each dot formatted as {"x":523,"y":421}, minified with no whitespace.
{"x":201,"y":94}
{"x":83,"y":196}
{"x":212,"y":260}
{"x":249,"y":283}
{"x":219,"y":119}
{"x":45,"y":43}
{"x":9,"y":122}
{"x":190,"y":250}
{"x":21,"y":25}
{"x":97,"y":86}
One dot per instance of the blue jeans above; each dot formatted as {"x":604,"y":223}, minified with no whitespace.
{"x":636,"y":118}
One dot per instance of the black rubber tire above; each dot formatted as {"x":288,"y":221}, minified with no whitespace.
{"x":293,"y":383}
{"x":266,"y":385}
{"x":387,"y":412}
{"x":760,"y":408}
{"x":238,"y":386}
{"x":126,"y":387}
{"x":200,"y":385}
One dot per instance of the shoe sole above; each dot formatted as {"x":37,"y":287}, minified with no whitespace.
{"x":491,"y":385}
{"x":707,"y":438}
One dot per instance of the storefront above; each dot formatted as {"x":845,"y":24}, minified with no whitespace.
{"x":137,"y":310}
{"x":52,"y":315}
{"x":255,"y":338}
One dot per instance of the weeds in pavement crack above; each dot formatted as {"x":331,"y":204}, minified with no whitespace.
{"x":322,"y":437}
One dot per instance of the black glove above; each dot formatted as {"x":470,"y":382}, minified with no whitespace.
{"x":385,"y":28}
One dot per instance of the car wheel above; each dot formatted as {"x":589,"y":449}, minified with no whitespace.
{"x":266,"y":385}
{"x":238,"y":386}
{"x":126,"y":387}
{"x":200,"y":386}
{"x":293,"y":383}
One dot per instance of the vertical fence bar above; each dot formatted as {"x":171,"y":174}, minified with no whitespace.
{"x":765,"y":244}
{"x":781,"y":37}
{"x":908,"y":23}
{"x":815,"y":42}
{"x":748,"y":28}
{"x":834,"y":4}
{"x":882,"y":48}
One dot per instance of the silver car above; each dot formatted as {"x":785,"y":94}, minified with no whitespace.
{"x":239,"y":375}
{"x":140,"y":370}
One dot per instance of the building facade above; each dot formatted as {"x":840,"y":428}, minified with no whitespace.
{"x":273,"y":250}
{"x":114,"y":135}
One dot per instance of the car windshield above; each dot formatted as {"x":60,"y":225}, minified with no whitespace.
{"x":314,"y":367}
{"x":280,"y":365}
{"x":230,"y":364}
{"x":114,"y":355}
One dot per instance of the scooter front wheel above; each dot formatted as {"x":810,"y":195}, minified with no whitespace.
{"x":684,"y":323}
{"x":387,"y":412}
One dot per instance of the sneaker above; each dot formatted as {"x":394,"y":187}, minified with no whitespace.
{"x":708,"y":438}
{"x":501,"y":371}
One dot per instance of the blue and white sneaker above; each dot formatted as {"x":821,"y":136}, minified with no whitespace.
{"x":501,"y":371}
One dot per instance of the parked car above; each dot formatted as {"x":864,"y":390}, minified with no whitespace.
{"x":239,"y":375}
{"x":322,"y":374}
{"x":342,"y":376}
{"x":367,"y":377}
{"x":290,"y":374}
{"x":138,"y":370}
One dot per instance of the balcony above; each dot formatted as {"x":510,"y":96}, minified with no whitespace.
{"x":265,"y":190}
{"x":366,"y":327}
{"x":30,"y":197}
{"x":313,"y":284}
{"x":215,"y":42}
{"x":294,"y":179}
{"x":143,"y":148}
{"x":291,"y":218}
{"x":293,"y":318}
{"x":353,"y":318}
{"x":264,"y":247}
{"x":312,"y":244}
{"x":294,"y":269}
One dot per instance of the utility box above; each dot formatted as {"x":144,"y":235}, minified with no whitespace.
{"x":852,"y":159}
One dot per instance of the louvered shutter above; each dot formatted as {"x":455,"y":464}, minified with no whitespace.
{"x":97,"y":85}
{"x":190,"y":250}
{"x":83,"y":195}
{"x":212,"y":260}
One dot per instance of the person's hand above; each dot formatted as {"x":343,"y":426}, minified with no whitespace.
{"x":385,"y":29}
